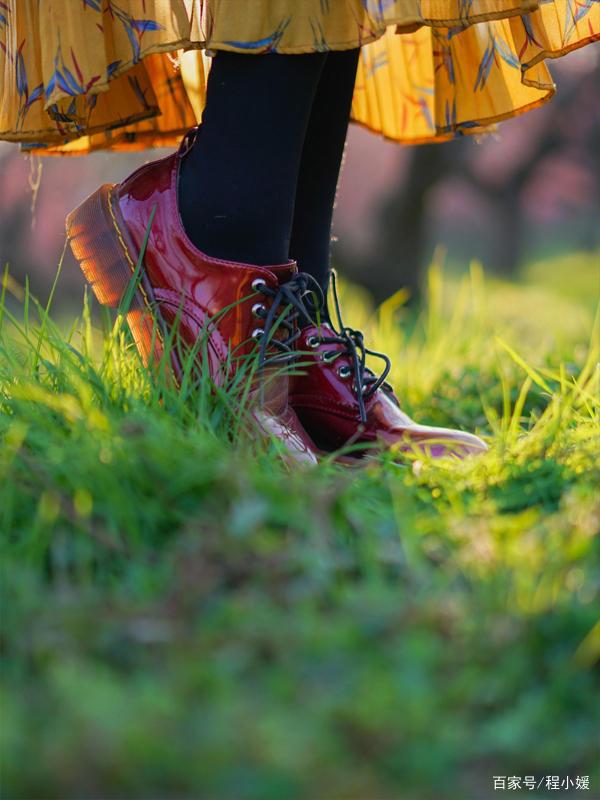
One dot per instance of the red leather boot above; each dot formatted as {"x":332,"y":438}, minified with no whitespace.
{"x":342,"y":402}
{"x":181,"y":289}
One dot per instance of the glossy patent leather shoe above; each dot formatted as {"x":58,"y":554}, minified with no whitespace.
{"x":223,"y":304}
{"x":341,"y":402}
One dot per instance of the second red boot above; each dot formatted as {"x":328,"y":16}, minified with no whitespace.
{"x":341,"y":402}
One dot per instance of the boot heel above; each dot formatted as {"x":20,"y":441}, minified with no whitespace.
{"x":98,"y":246}
{"x":108,"y":260}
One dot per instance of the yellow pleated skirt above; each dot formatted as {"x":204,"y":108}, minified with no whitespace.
{"x":81,"y":75}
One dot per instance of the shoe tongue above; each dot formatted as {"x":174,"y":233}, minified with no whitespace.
{"x":284,"y":272}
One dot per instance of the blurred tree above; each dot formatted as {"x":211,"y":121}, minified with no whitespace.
{"x":15,"y":205}
{"x":563,"y":135}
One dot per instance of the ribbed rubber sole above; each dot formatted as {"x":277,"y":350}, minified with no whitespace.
{"x":102,"y":246}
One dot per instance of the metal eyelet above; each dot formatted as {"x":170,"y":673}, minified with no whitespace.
{"x":344,"y":371}
{"x":258,"y":310}
{"x":258,"y":284}
{"x":330,"y":355}
{"x":258,"y":333}
{"x":313,"y":342}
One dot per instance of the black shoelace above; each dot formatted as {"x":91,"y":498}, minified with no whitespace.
{"x":366,"y":383}
{"x":302,"y":300}
{"x":295,"y":301}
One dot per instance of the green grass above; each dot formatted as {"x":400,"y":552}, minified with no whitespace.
{"x":184,"y":616}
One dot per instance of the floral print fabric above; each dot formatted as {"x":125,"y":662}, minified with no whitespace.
{"x":78,"y":75}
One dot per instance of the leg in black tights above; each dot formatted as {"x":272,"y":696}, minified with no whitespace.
{"x":265,"y":166}
{"x":238,"y":183}
{"x":320,"y":165}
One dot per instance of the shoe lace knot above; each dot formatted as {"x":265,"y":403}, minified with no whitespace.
{"x":301,"y":300}
{"x":366,"y":382}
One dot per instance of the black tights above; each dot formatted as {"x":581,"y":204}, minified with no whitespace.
{"x":259,"y":184}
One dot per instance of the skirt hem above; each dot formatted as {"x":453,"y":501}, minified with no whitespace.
{"x":400,"y":23}
{"x":67,"y":126}
{"x":485,"y":125}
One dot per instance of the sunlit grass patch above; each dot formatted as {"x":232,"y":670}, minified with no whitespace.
{"x":186,"y":616}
